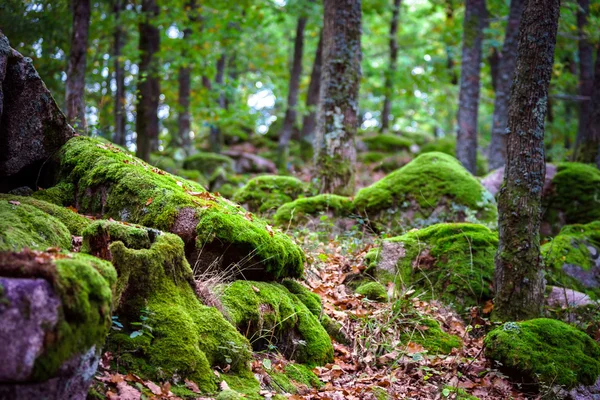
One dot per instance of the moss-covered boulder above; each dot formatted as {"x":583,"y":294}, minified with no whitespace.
{"x":103,"y":181}
{"x":25,"y":226}
{"x":451,"y":262}
{"x":55,"y":309}
{"x":573,"y":258}
{"x":432,"y":188}
{"x":272,"y":317}
{"x":302,"y":210}
{"x":447,"y":145}
{"x":167,"y":331}
{"x":207,"y":163}
{"x":545,"y":351}
{"x":266,"y":193}
{"x":387,"y":142}
{"x":573,"y":197}
{"x":373,"y":291}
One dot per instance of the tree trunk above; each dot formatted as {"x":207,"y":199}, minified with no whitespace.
{"x":337,"y":122}
{"x":290,"y":115}
{"x":389,"y":76}
{"x":75,"y":85}
{"x":589,"y":146}
{"x":216,"y":138}
{"x":506,"y":71}
{"x":120,"y":114}
{"x":494,"y":60}
{"x":149,"y":84}
{"x":586,"y":79}
{"x":519,"y":280}
{"x":449,"y":7}
{"x":309,"y":122}
{"x":183,"y":119}
{"x":468,"y":103}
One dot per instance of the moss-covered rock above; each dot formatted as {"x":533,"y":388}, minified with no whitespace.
{"x":545,"y":351}
{"x":573,"y":197}
{"x":573,"y":258}
{"x":300,"y":210}
{"x":387,"y":142}
{"x":269,"y":315}
{"x":452,"y":262}
{"x":25,"y":226}
{"x":208,"y":163}
{"x":373,"y":291}
{"x":266,"y":193}
{"x":429,"y":334}
{"x":74,"y":222}
{"x":108,"y":183}
{"x":447,"y":145}
{"x":432,"y":188}
{"x":301,"y":374}
{"x":178,"y":334}
{"x":229,"y":394}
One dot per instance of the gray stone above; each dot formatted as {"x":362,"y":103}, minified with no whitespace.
{"x":567,"y":298}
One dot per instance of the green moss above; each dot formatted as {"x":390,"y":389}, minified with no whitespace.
{"x":299,"y":210}
{"x":266,"y":193}
{"x":432,"y":188}
{"x":244,"y":382}
{"x":61,"y":194}
{"x":371,"y":157}
{"x":193,"y":175}
{"x":387,"y":142}
{"x":311,"y":300}
{"x":164,"y":162}
{"x":113,"y":184}
{"x":456,"y":393}
{"x":25,"y":226}
{"x":281,"y":383}
{"x":188,"y":337}
{"x":302,"y":374}
{"x":373,"y":291}
{"x":432,"y":337}
{"x":229,"y":395}
{"x":380,"y":393}
{"x":545,"y":351}
{"x":208,"y":163}
{"x":570,"y":248}
{"x":574,"y":197}
{"x":447,"y":145}
{"x":452,"y":262}
{"x":270,"y":315}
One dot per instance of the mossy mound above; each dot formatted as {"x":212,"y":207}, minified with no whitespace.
{"x":545,"y":351}
{"x":574,"y":196}
{"x":84,"y":285}
{"x":207,"y":163}
{"x":447,"y":145}
{"x":176,"y":334}
{"x":164,"y":162}
{"x":573,"y":258}
{"x":373,"y":291}
{"x":25,"y":226}
{"x":303,"y":375}
{"x":300,"y":210}
{"x":266,"y":193}
{"x":452,"y":262}
{"x":432,"y":188}
{"x":112,"y":184}
{"x":74,"y":222}
{"x":429,"y":334}
{"x":387,"y":142}
{"x":269,"y":315}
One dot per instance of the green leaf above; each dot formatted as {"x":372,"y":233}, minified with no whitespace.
{"x":267,"y":364}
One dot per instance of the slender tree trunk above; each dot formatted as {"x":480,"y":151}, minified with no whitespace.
{"x":148,"y":84}
{"x":468,"y":103}
{"x":309,"y":122}
{"x":519,"y":280}
{"x":389,"y":76}
{"x":75,"y":85}
{"x":494,"y":60}
{"x":586,"y":79}
{"x":449,"y":56}
{"x":184,"y":80}
{"x":120,"y":114}
{"x":337,"y":121}
{"x":588,"y":150}
{"x":506,"y":70}
{"x":216,"y":137}
{"x":290,"y":115}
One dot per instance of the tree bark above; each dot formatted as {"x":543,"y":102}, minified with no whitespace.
{"x":75,"y":85}
{"x":148,"y":84}
{"x":519,"y":278}
{"x":120,"y":114}
{"x":506,"y":71}
{"x":337,"y":121}
{"x":449,"y":8}
{"x":215,"y":137}
{"x":389,"y":76}
{"x":309,"y":122}
{"x":586,"y":80}
{"x":468,"y":103}
{"x":588,"y":150}
{"x":290,"y":114}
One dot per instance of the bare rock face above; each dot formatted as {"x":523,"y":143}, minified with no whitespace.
{"x":32,"y":127}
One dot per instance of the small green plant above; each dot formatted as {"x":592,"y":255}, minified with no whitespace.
{"x":143,"y":324}
{"x":115,"y":324}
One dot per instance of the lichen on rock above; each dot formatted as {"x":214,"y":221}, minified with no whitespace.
{"x":265,"y":193}
{"x":432,"y":188}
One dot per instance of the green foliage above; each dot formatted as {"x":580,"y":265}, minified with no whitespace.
{"x":208,"y":163}
{"x":302,"y":374}
{"x":432,"y":188}
{"x":545,"y":351}
{"x":300,"y":210}
{"x":373,"y":291}
{"x":266,"y":193}
{"x":387,"y":143}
